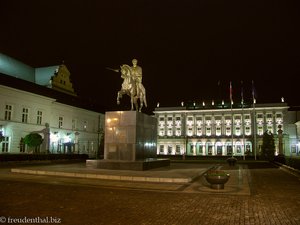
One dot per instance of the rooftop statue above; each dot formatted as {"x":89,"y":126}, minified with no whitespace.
{"x":132,"y":85}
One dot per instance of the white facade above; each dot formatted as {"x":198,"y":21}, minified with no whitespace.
{"x":220,"y":131}
{"x":72,"y":129}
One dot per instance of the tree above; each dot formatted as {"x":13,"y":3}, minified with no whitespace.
{"x":33,"y":140}
{"x":268,"y":146}
{"x":1,"y":137}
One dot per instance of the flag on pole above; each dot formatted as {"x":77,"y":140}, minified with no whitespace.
{"x":230,"y":90}
{"x":242,"y":92}
{"x":253,"y":92}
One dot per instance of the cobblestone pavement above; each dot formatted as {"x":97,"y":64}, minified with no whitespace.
{"x":274,"y":199}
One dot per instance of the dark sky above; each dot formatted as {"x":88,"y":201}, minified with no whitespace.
{"x":184,"y":47}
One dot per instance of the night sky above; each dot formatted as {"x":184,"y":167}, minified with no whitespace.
{"x":189,"y":50}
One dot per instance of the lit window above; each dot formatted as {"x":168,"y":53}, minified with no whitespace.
{"x":178,"y":149}
{"x":190,"y":131}
{"x":25,"y":115}
{"x":5,"y":144}
{"x":178,"y":131}
{"x":39,"y":117}
{"x":170,"y":148}
{"x":270,"y":129}
{"x":199,"y":131}
{"x":170,"y":131}
{"x":60,"y":122}
{"x":260,"y":130}
{"x":8,"y":112}
{"x":218,"y":131}
{"x":228,"y":131}
{"x":238,"y":131}
{"x":247,"y":130}
{"x":161,"y":149}
{"x":208,"y":131}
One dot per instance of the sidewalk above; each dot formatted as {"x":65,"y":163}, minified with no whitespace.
{"x":258,"y":193}
{"x":183,"y":177}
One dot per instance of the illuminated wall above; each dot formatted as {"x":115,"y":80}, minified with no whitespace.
{"x":213,"y":131}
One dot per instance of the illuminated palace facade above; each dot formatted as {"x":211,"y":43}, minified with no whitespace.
{"x":221,"y":130}
{"x":43,"y":100}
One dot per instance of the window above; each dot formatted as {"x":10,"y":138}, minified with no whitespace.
{"x":39,"y":117}
{"x":270,"y":128}
{"x":178,"y":131}
{"x":218,"y":131}
{"x":22,"y":145}
{"x":247,"y":130}
{"x":161,"y":149}
{"x":25,"y":115}
{"x":161,"y":131}
{"x":170,"y":149}
{"x":229,"y":150}
{"x":5,"y":144}
{"x":74,"y":124}
{"x":60,"y":122}
{"x":161,"y":119}
{"x":238,"y":148}
{"x":178,"y":149}
{"x":200,"y":151}
{"x":190,"y":131}
{"x":208,"y":131}
{"x":190,"y":120}
{"x":228,"y":131}
{"x":199,"y":131}
{"x":260,"y":130}
{"x":199,"y":118}
{"x":8,"y":112}
{"x":178,"y":121}
{"x":238,"y":131}
{"x":170,"y":131}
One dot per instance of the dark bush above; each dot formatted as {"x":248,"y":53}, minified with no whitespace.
{"x":280,"y":159}
{"x":293,"y":162}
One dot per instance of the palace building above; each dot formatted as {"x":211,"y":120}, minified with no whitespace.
{"x":43,"y":100}
{"x":217,"y":129}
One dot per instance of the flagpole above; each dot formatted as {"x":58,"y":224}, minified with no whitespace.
{"x":231,"y":121}
{"x":243,"y":125}
{"x":254,"y":127}
{"x":254,"y":119}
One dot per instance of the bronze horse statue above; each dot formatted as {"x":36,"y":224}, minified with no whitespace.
{"x":134,"y":90}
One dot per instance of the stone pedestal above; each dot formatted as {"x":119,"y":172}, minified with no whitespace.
{"x":130,"y":142}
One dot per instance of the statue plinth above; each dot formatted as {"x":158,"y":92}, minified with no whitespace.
{"x":130,"y":142}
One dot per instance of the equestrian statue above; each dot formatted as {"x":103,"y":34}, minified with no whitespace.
{"x":132,"y":85}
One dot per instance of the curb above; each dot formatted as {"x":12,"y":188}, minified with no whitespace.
{"x":288,"y":169}
{"x":104,"y":176}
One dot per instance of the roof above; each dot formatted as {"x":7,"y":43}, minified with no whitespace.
{"x":60,"y":97}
